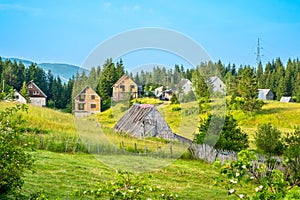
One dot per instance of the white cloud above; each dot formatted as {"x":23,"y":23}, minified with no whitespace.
{"x":20,"y":8}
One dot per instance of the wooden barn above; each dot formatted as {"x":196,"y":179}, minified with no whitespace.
{"x":144,"y":120}
{"x":123,"y":87}
{"x":265,"y":94}
{"x":87,"y":102}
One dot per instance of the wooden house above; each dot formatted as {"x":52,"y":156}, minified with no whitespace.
{"x":144,"y":120}
{"x":265,"y":94}
{"x":87,"y":102}
{"x":123,"y":88}
{"x":36,"y":95}
{"x":286,"y":99}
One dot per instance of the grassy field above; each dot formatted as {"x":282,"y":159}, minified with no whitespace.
{"x":58,"y":175}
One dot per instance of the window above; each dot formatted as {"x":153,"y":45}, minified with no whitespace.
{"x":36,"y":92}
{"x":81,"y":106}
{"x":92,"y":97}
{"x":132,"y":87}
{"x":93,"y":105}
{"x":81,"y":97}
{"x":30,"y":86}
{"x":122,"y":87}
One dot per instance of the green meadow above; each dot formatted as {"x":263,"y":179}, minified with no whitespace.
{"x":59,"y":171}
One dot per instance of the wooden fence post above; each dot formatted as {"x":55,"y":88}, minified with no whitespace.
{"x":145,"y":150}
{"x":135,"y":148}
{"x":41,"y":142}
{"x":66,"y":146}
{"x":171,"y":151}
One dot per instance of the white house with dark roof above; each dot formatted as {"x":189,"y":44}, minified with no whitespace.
{"x":36,"y":95}
{"x":18,"y":98}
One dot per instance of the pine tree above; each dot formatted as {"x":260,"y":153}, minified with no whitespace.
{"x":24,"y":92}
{"x":247,"y":89}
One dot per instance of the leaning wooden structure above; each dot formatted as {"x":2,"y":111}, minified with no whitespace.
{"x":144,"y":120}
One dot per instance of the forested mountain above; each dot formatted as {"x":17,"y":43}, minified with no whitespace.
{"x":64,"y":71}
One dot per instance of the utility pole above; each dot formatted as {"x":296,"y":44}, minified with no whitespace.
{"x":258,"y":54}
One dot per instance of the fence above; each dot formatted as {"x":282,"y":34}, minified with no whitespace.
{"x":85,"y":145}
{"x":209,"y":154}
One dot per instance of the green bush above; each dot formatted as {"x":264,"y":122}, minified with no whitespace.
{"x":14,"y":160}
{"x":268,"y":140}
{"x":222,"y":133}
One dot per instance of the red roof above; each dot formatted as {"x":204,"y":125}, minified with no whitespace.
{"x":146,"y":106}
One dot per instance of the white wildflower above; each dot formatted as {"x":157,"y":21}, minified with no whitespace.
{"x":241,"y":196}
{"x":237,"y":174}
{"x":233,"y":181}
{"x":244,"y":166}
{"x":261,"y":187}
{"x":231,"y":191}
{"x":256,"y":189}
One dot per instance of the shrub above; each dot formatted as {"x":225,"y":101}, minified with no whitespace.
{"x":126,"y":186}
{"x":223,"y":133}
{"x":14,"y":160}
{"x":268,"y":140}
{"x":292,"y":153}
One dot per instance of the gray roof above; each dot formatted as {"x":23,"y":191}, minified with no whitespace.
{"x":264,"y":91}
{"x":286,"y":99}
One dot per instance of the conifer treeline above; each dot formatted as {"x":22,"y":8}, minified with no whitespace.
{"x":283,"y":80}
{"x":13,"y":75}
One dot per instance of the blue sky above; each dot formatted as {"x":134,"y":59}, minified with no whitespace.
{"x":67,"y":31}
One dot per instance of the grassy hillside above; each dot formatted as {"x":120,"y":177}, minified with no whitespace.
{"x":58,"y":175}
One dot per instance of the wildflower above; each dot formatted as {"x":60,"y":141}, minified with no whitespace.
{"x":231,"y":191}
{"x":241,"y":196}
{"x":237,"y":174}
{"x":256,"y":189}
{"x":244,"y":166}
{"x":233,"y":181}
{"x":261,"y":187}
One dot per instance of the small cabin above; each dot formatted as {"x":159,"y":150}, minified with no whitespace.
{"x":123,"y":88}
{"x":87,"y":102}
{"x":286,"y":99}
{"x":265,"y":94}
{"x":36,"y":95}
{"x":17,"y":97}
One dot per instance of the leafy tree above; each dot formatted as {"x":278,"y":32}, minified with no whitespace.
{"x":292,"y":155}
{"x":231,"y":137}
{"x":268,"y":140}
{"x":14,"y":159}
{"x":24,"y":92}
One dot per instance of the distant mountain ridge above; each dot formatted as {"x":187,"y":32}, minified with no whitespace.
{"x":64,"y":71}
